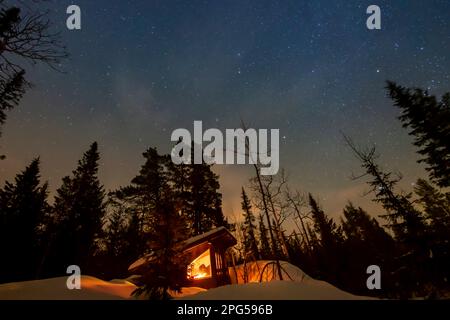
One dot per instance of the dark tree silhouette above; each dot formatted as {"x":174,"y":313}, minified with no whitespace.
{"x":23,"y":205}
{"x":251,"y":250}
{"x":428,"y":121}
{"x":406,"y":222}
{"x":327,"y":245}
{"x":76,"y":221}
{"x":11,"y":91}
{"x":325,"y":227}
{"x":264,"y":249}
{"x":25,"y":37}
{"x":204,"y":210}
{"x":196,"y":189}
{"x":436,"y":207}
{"x":366,"y":243}
{"x":156,"y":225}
{"x":166,"y":268}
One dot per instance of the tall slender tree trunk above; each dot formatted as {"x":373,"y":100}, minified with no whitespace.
{"x":297,"y":211}
{"x":266,"y":208}
{"x":269,"y":223}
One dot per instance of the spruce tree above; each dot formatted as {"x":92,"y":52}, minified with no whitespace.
{"x":366,"y":243}
{"x":118,"y":253}
{"x":248,"y":228}
{"x":325,"y":227}
{"x":328,"y":244}
{"x":78,"y":212}
{"x":428,"y":120}
{"x":436,"y":206}
{"x":23,"y":205}
{"x":162,"y":226}
{"x":403,"y":218}
{"x":204,"y":209}
{"x":358,"y":225}
{"x":435,"y":203}
{"x":406,"y":222}
{"x":140,"y":199}
{"x":11,"y":91}
{"x":165,"y":271}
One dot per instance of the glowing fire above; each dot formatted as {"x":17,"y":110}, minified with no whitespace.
{"x":200,"y":268}
{"x":200,"y":275}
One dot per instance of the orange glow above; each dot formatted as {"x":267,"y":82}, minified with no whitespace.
{"x":200,"y":275}
{"x":200,"y":268}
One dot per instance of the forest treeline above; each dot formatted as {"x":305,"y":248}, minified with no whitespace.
{"x":165,"y":203}
{"x":103,"y":232}
{"x":410,"y":241}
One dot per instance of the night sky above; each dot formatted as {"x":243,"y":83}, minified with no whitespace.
{"x":140,"y":69}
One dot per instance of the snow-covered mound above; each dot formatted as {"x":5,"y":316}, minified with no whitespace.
{"x":260,"y":281}
{"x":255,"y":281}
{"x":277,"y":290}
{"x":56,"y":289}
{"x":91,"y":289}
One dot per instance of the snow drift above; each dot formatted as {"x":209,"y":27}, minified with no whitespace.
{"x":277,"y":290}
{"x":56,"y":289}
{"x":260,"y":281}
{"x":255,"y":281}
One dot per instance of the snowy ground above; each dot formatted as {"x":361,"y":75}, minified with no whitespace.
{"x":277,"y":290}
{"x":91,"y":289}
{"x":263,"y":283}
{"x":296,"y":285}
{"x":56,"y":289}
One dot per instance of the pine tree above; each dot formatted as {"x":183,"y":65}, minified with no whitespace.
{"x":327,"y":244}
{"x":166,"y":269}
{"x":358,"y":225}
{"x":406,"y":222}
{"x":79,"y":209}
{"x":249,"y":229}
{"x":366,"y":243}
{"x":154,"y":204}
{"x":179,"y":177}
{"x":196,"y":189}
{"x":204,"y":209}
{"x":325,"y":227}
{"x":428,"y":121}
{"x":168,"y":229}
{"x":23,"y":205}
{"x":140,"y":199}
{"x":117,"y":253}
{"x":11,"y":91}
{"x":436,"y":206}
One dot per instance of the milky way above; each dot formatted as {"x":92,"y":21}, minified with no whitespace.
{"x":140,"y":69}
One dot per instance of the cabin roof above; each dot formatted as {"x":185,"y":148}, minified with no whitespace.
{"x":219,"y":237}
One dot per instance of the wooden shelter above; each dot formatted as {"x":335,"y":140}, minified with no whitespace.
{"x":205,"y":253}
